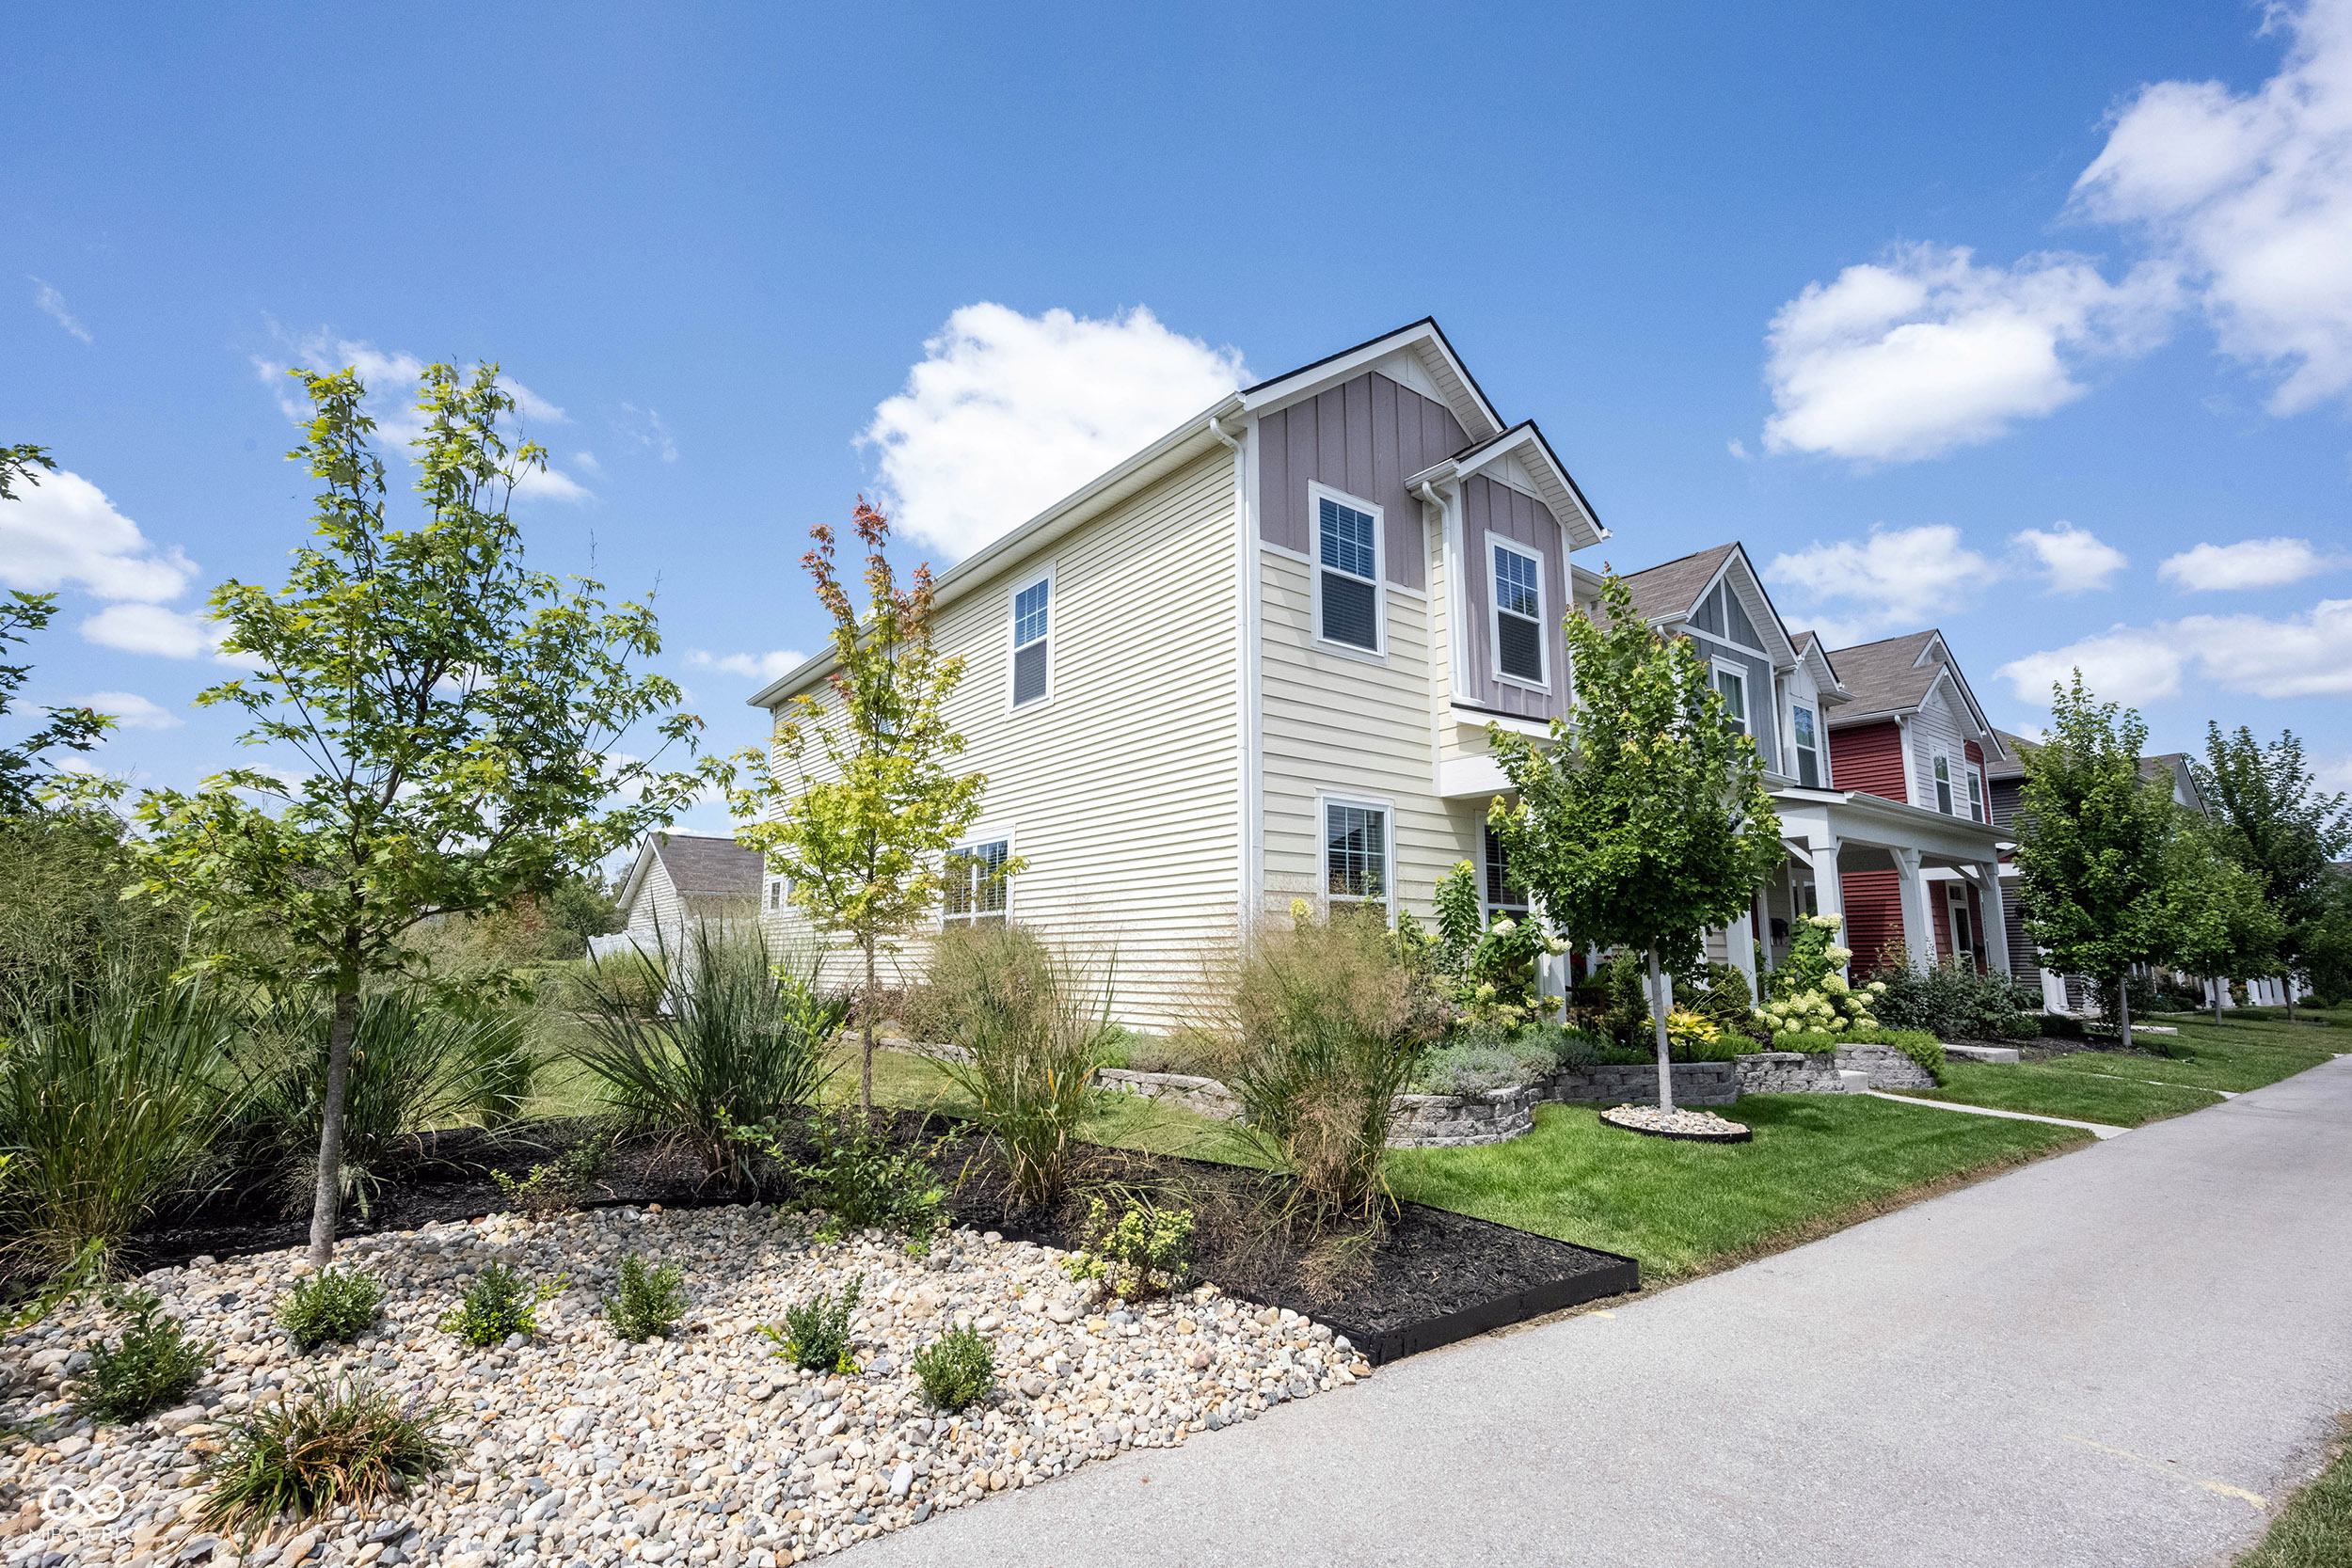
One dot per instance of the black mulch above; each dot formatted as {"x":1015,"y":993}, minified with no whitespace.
{"x":1434,"y":1276}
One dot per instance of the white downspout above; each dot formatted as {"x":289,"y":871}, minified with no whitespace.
{"x":1246,"y":696}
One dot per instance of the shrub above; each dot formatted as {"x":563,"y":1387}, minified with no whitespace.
{"x":332,"y":1444}
{"x":111,"y":1112}
{"x":1492,"y":1056}
{"x":1952,"y":1001}
{"x":330,"y":1308}
{"x":152,"y":1366}
{"x":957,"y":1369}
{"x":1810,"y":995}
{"x":499,"y":1302}
{"x":560,"y":1185}
{"x":1146,"y":1251}
{"x":862,"y":1180}
{"x":1182,"y":1051}
{"x":68,"y":940}
{"x":815,"y":1333}
{"x":1488,"y":968}
{"x":648,"y":1301}
{"x":1919,"y":1046}
{"x":1328,"y":1022}
{"x":1031,"y":1034}
{"x":419,"y":1060}
{"x":744,"y":1043}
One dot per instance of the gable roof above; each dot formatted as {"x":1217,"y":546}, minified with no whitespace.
{"x":2178,"y":767}
{"x":1894,"y":677}
{"x":1672,"y":589}
{"x":698,"y":864}
{"x":1833,"y":687}
{"x":1424,"y":341}
{"x":1677,"y":589}
{"x":1554,"y":485}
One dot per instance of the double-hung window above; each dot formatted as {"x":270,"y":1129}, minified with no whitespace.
{"x":1975,"y":792}
{"x":1032,"y":641}
{"x":1944,"y":783}
{"x":1518,"y":585}
{"x":1733,"y":684}
{"x":1808,"y":750}
{"x":1503,"y":895}
{"x":775,"y":893}
{"x":1347,"y":573}
{"x":1356,"y":852}
{"x":974,"y":889}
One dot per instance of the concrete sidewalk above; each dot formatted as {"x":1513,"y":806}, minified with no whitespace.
{"x":2104,"y":1358}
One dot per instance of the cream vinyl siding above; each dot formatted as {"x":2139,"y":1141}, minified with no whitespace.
{"x":1937,"y":726}
{"x":1120,"y":792}
{"x":1349,"y":727}
{"x":656,"y":905}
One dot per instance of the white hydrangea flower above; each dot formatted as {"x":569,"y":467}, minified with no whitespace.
{"x":1839,"y":955}
{"x":1834,"y":984}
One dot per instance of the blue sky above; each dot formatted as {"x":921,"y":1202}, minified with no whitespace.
{"x":754,"y":260}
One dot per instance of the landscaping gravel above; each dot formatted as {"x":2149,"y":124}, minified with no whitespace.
{"x":1649,"y":1119}
{"x":573,"y":1447}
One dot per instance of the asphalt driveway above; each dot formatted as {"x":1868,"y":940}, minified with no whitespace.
{"x":2117,"y":1357}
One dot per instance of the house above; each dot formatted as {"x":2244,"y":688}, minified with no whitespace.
{"x":1255,"y":661}
{"x":1873,"y":756}
{"x":682,"y":877}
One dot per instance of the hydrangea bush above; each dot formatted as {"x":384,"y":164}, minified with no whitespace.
{"x":1809,"y":994}
{"x":1488,"y":971}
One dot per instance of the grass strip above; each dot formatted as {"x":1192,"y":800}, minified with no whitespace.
{"x":2314,"y":1530}
{"x":2050,"y":1089}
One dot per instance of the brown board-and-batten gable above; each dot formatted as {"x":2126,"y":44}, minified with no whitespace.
{"x":1363,"y":438}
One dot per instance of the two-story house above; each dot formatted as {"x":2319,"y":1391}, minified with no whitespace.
{"x":1255,"y":661}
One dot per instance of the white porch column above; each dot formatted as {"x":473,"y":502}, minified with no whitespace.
{"x":1740,"y":945}
{"x":1994,"y":937}
{"x":1918,"y":923}
{"x":1829,"y":894}
{"x":2053,"y":988}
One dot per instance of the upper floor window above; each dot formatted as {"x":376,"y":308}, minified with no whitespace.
{"x":1503,"y":893}
{"x":975,"y":885}
{"x":775,"y":893}
{"x":1975,"y":793}
{"x":1944,"y":783}
{"x":1808,"y":750}
{"x":1356,"y":852}
{"x":1518,"y":616}
{"x":1733,"y":684}
{"x":1032,"y":670}
{"x":1347,"y":590}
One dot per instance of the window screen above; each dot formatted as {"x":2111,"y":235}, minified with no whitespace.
{"x":1518,"y":616}
{"x":1976,"y":794}
{"x":1944,"y":785}
{"x":974,"y":891}
{"x":1808,"y":753}
{"x":1502,"y":891}
{"x":1029,"y":611}
{"x":1349,"y":590}
{"x":1356,"y":852}
{"x":1735,"y":690}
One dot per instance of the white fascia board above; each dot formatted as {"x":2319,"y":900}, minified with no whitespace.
{"x":1179,"y":446}
{"x":1535,"y":729}
{"x":1825,"y":676}
{"x":1559,"y":493}
{"x":1476,"y":416}
{"x":1472,"y":778}
{"x":1784,"y":656}
{"x":637,"y":870}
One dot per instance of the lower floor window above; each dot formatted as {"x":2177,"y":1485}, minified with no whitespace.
{"x":1356,"y":851}
{"x":1503,"y":893}
{"x":975,"y":876}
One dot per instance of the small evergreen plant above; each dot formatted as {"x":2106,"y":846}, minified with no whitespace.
{"x":957,"y":1369}
{"x":1145,"y":1251}
{"x":499,"y":1302}
{"x":330,"y":1308}
{"x":815,"y":1333}
{"x":154,"y":1366}
{"x":647,"y":1302}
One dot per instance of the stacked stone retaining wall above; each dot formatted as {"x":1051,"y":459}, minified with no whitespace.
{"x":1888,"y":1067}
{"x":1789,"y":1072}
{"x":1453,"y":1120}
{"x":1204,"y":1095}
{"x":1696,"y":1083}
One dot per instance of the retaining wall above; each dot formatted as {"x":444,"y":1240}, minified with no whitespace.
{"x":1204,"y":1095}
{"x":1696,"y":1083}
{"x":1453,"y":1120}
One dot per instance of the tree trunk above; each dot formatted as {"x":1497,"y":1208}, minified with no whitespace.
{"x":2286,"y":983}
{"x":326,"y":1200}
{"x":2123,"y":1008}
{"x":1658,"y":1006}
{"x":2219,"y":986}
{"x":866,"y":1068}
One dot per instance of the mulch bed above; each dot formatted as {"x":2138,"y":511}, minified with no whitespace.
{"x":1433,"y":1277}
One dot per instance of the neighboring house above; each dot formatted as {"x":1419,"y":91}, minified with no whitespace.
{"x":1255,"y":662}
{"x":1873,"y":756}
{"x":682,"y":877}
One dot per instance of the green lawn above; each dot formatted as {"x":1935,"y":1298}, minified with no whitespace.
{"x":1818,"y":1162}
{"x":2124,"y":1090}
{"x":2315,"y":1528}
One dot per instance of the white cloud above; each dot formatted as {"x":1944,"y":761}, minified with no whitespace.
{"x":2250,"y":195}
{"x":64,"y":530}
{"x":1737,"y":449}
{"x":2125,"y":665}
{"x":1005,"y":414}
{"x":2299,"y":656}
{"x":642,"y":427}
{"x":1926,"y":352}
{"x":2074,"y":559}
{"x":587,"y":460}
{"x":133,"y":711}
{"x":550,"y":483}
{"x":530,"y":404}
{"x":761,"y":667}
{"x":152,"y":629}
{"x":2334,"y":777}
{"x":2248,"y":563}
{"x":1901,"y":580}
{"x":51,"y":304}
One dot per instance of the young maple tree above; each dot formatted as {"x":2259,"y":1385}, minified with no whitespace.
{"x":2223,"y":926}
{"x":75,"y":729}
{"x":452,"y":711}
{"x":2095,"y":852}
{"x":858,"y":805}
{"x":1645,"y":820}
{"x":2274,"y":821}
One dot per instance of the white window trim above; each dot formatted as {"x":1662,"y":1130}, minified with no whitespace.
{"x":1936,"y":797}
{"x":1487,"y":905}
{"x":1053,"y":630}
{"x":1325,"y":801}
{"x":1797,"y":745}
{"x":1979,"y":799}
{"x":1747,"y":691}
{"x":986,"y":835}
{"x":1494,"y":614}
{"x":1316,"y":494}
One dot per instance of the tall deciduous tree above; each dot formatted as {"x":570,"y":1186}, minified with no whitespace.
{"x":859,"y":803}
{"x":2276,"y":822}
{"x":75,"y":729}
{"x":2095,"y":845}
{"x":451,"y":709}
{"x":1645,"y":820}
{"x":2223,"y":926}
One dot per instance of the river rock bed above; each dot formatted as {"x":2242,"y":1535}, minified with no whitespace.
{"x":576,"y":1447}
